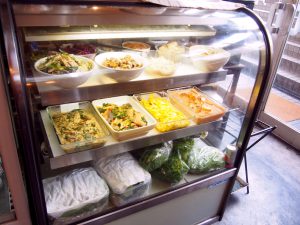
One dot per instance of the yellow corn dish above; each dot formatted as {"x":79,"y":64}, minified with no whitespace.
{"x":168,"y":117}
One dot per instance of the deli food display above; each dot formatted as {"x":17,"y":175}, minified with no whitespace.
{"x":144,"y":103}
{"x":79,"y":127}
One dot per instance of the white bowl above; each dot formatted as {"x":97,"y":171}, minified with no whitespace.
{"x":210,"y":62}
{"x":120,"y":75}
{"x":68,"y":80}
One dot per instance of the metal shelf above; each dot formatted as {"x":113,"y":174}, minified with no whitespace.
{"x":110,"y":32}
{"x":100,"y":86}
{"x":61,"y":159}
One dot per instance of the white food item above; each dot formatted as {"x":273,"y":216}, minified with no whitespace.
{"x":171,"y":51}
{"x":73,"y":190}
{"x":121,"y":172}
{"x":161,"y":66}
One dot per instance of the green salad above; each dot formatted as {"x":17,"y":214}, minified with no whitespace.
{"x":155,"y":156}
{"x":174,"y":169}
{"x":184,"y":146}
{"x":64,"y":63}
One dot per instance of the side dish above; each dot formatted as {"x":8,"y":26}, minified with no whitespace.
{"x":208,"y":58}
{"x":196,"y":104}
{"x":78,"y":48}
{"x":168,"y":117}
{"x":137,"y":46}
{"x":64,"y":63}
{"x":161,"y":66}
{"x":77,"y":125}
{"x":124,"y":63}
{"x":171,"y":51}
{"x":122,"y":117}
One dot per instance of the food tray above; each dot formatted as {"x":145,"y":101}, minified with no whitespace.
{"x":81,"y":145}
{"x":217,"y":110}
{"x":126,"y":134}
{"x":164,"y":126}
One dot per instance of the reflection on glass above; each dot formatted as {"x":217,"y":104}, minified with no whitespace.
{"x":5,"y":199}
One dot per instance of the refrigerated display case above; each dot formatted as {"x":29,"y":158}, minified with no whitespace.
{"x":176,"y":72}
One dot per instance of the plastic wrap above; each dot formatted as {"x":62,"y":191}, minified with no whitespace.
{"x":75,"y":193}
{"x":126,"y":178}
{"x":174,"y":169}
{"x":205,"y":159}
{"x":184,"y":146}
{"x":155,"y":156}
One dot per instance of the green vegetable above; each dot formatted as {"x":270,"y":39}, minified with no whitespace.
{"x":154,"y":156}
{"x":174,"y":169}
{"x":205,"y":159}
{"x":184,"y":146}
{"x":64,"y":63}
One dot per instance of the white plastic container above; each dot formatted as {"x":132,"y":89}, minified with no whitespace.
{"x":126,"y":134}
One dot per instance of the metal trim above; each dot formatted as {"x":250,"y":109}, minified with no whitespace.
{"x":255,"y":100}
{"x":115,"y":89}
{"x":210,"y":221}
{"x":29,"y":157}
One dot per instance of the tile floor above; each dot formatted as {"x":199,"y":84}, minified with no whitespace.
{"x":274,"y":177}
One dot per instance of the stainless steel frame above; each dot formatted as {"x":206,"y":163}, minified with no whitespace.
{"x":31,"y":151}
{"x":24,"y":123}
{"x":280,"y":27}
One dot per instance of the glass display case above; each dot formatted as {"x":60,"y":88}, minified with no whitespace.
{"x":131,"y":113}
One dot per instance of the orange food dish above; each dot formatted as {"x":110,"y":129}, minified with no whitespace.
{"x":139,"y":46}
{"x":196,"y":104}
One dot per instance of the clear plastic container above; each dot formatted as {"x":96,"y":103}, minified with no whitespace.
{"x":126,"y":134}
{"x":167,"y":115}
{"x":197,"y":105}
{"x":78,"y":145}
{"x":75,"y":194}
{"x":127,"y":180}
